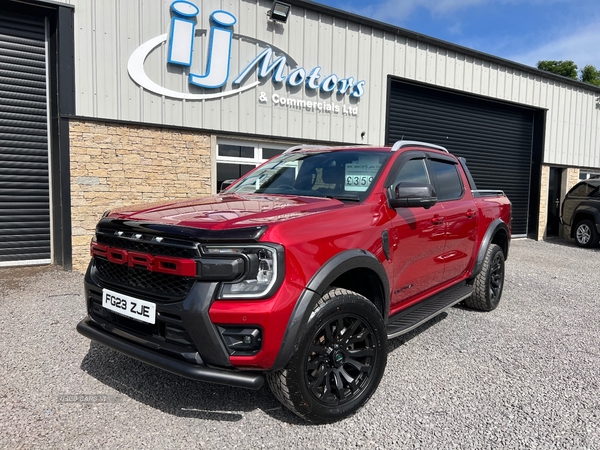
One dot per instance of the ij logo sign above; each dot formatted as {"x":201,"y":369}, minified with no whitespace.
{"x":269,"y":63}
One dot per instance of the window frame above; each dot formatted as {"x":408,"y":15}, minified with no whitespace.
{"x":403,"y":158}
{"x":255,"y":161}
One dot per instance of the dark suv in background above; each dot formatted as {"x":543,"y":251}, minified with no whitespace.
{"x":580,"y":213}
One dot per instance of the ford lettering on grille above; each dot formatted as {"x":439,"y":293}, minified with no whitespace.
{"x":162,"y":264}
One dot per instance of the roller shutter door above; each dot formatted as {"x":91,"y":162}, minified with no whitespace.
{"x":495,"y":138}
{"x":24,"y":178}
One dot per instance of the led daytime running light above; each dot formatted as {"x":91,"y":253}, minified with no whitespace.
{"x":261,"y":271}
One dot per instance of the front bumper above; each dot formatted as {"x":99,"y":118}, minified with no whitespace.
{"x":187,"y":336}
{"x":182,"y":341}
{"x":198,"y":371}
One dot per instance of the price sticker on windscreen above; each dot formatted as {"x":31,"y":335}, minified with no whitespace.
{"x":359,"y":176}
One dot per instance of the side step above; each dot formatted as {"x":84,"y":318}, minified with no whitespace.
{"x":410,"y":318}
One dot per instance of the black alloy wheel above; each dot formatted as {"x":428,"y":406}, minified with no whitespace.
{"x":340,"y":360}
{"x":488,"y":284}
{"x":496,"y":277}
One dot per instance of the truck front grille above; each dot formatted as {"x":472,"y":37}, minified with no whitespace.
{"x":154,"y":284}
{"x":138,"y":280}
{"x":146,"y":244}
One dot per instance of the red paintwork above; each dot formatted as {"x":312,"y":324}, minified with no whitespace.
{"x":430,"y":249}
{"x":228,"y":211}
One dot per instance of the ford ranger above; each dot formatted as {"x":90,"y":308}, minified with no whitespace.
{"x":299,"y":272}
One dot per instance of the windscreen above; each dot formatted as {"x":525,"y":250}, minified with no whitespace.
{"x":342,"y":174}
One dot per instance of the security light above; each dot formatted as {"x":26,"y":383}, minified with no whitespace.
{"x":279,"y":12}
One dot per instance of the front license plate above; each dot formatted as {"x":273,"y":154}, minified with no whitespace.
{"x":127,"y":306}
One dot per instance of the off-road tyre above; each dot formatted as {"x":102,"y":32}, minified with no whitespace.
{"x":586,"y":235}
{"x":488,"y":285}
{"x":340,"y":359}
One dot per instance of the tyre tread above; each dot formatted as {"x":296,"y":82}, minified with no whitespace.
{"x":480,"y":298}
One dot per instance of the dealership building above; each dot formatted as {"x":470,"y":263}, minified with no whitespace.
{"x":105,"y":103}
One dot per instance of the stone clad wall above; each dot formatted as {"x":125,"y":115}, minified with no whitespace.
{"x":543,"y":215}
{"x":572,"y":180}
{"x":116,"y":165}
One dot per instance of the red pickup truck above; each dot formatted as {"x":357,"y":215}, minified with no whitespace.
{"x":299,"y":272}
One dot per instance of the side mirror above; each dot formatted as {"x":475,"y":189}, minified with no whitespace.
{"x":225,"y":184}
{"x":412,"y":195}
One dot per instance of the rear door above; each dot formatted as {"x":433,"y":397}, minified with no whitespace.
{"x":460,"y":215}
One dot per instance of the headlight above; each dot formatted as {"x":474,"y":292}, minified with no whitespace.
{"x":263,"y":269}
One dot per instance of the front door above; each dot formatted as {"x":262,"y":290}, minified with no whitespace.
{"x":554,"y":191}
{"x":418,"y":239}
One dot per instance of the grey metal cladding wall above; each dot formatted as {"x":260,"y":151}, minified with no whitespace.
{"x":495,"y":138}
{"x":24,"y":184}
{"x":107,"y":32}
{"x":573,"y":118}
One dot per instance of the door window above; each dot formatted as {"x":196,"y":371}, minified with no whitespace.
{"x":449,"y":185}
{"x":414,"y":171}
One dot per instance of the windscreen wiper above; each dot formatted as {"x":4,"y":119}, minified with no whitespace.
{"x":352,"y":198}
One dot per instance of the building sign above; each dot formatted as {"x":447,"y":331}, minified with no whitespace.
{"x":269,"y":63}
{"x":308,"y":105}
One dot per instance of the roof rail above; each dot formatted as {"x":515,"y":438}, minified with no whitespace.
{"x":304,"y":147}
{"x":399,"y":144}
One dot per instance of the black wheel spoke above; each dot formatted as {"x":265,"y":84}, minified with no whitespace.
{"x":314,"y":364}
{"x":351,"y":382}
{"x":318,"y":350}
{"x":339,"y":385}
{"x":339,"y":326}
{"x":349,"y":378}
{"x":361,"y":352}
{"x":358,"y":365}
{"x":358,"y":338}
{"x":353,"y":387}
{"x":318,"y":381}
{"x":350,"y":331}
{"x":328,"y":334}
{"x":327,"y":392}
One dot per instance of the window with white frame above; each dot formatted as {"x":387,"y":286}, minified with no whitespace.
{"x":585,"y":175}
{"x":237,"y":158}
